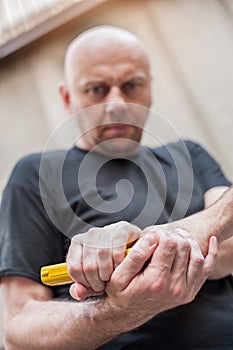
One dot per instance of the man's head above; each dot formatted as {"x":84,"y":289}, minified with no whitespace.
{"x":107,"y":76}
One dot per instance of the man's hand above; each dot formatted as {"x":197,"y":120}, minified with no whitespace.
{"x":161,"y":271}
{"x":94,"y":255}
{"x":174,"y":272}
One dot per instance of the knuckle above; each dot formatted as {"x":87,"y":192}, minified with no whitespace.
{"x":127,"y":227}
{"x":214,"y":254}
{"x":120,"y":224}
{"x":190,"y":297}
{"x":170,"y":243}
{"x":208,"y":270}
{"x":91,"y":230}
{"x":116,"y":280}
{"x":74,"y":270}
{"x":122,"y":236}
{"x":137,"y":255}
{"x":177,"y":292}
{"x":185,"y":245}
{"x":159,"y":287}
{"x":76,"y":239}
{"x":165,"y":269}
{"x":89,"y":268}
{"x":183,"y":233}
{"x":91,"y":235}
{"x":198,"y":260}
{"x":124,"y":222}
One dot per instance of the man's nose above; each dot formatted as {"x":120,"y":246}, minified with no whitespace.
{"x":115,"y":101}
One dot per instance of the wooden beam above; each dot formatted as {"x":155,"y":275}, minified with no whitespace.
{"x":41,"y":29}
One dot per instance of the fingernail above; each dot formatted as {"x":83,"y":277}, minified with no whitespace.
{"x":73,"y":292}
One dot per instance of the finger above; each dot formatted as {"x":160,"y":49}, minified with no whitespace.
{"x":118,"y":255}
{"x":75,"y":263}
{"x":105,"y":263}
{"x":134,"y":261}
{"x":79,"y":292}
{"x":211,"y":256}
{"x":180,"y":263}
{"x":125,"y":230}
{"x":195,"y":266}
{"x":125,"y":234}
{"x":202,"y":269}
{"x":91,"y":269}
{"x":104,"y":252}
{"x":163,"y":258}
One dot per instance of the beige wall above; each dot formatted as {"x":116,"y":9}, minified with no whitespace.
{"x":190,"y":42}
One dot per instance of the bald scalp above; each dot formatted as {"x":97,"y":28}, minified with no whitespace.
{"x":98,"y":42}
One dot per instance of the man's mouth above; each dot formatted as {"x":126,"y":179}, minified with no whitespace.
{"x":117,"y":129}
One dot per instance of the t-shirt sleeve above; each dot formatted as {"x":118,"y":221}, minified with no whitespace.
{"x":28,"y":239}
{"x":206,"y":168}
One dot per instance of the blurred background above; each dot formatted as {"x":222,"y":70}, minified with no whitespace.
{"x":190,"y":44}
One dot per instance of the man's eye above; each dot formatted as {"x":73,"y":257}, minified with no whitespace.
{"x":98,"y":91}
{"x":131,"y":88}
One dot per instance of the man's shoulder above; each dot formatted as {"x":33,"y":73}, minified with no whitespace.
{"x":170,"y":151}
{"x":28,"y":166}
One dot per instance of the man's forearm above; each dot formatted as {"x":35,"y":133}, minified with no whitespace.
{"x":62,"y":325}
{"x":216,"y":220}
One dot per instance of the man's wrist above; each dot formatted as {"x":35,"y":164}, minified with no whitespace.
{"x":220,"y":216}
{"x":101,"y":316}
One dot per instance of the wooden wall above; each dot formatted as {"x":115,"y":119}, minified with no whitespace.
{"x":190,"y":42}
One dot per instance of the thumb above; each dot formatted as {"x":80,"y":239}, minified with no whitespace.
{"x":80,"y":292}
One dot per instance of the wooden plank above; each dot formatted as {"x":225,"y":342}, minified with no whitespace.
{"x":41,"y":29}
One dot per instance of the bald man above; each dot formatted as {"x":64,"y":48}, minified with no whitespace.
{"x":53,"y":197}
{"x":100,"y":70}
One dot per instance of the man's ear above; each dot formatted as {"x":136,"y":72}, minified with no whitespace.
{"x":65,"y":96}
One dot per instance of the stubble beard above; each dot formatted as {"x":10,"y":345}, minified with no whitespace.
{"x":121,"y":146}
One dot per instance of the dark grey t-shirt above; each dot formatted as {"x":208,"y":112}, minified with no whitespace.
{"x":53,"y":196}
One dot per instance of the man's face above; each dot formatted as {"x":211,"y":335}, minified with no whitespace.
{"x":111,"y":91}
